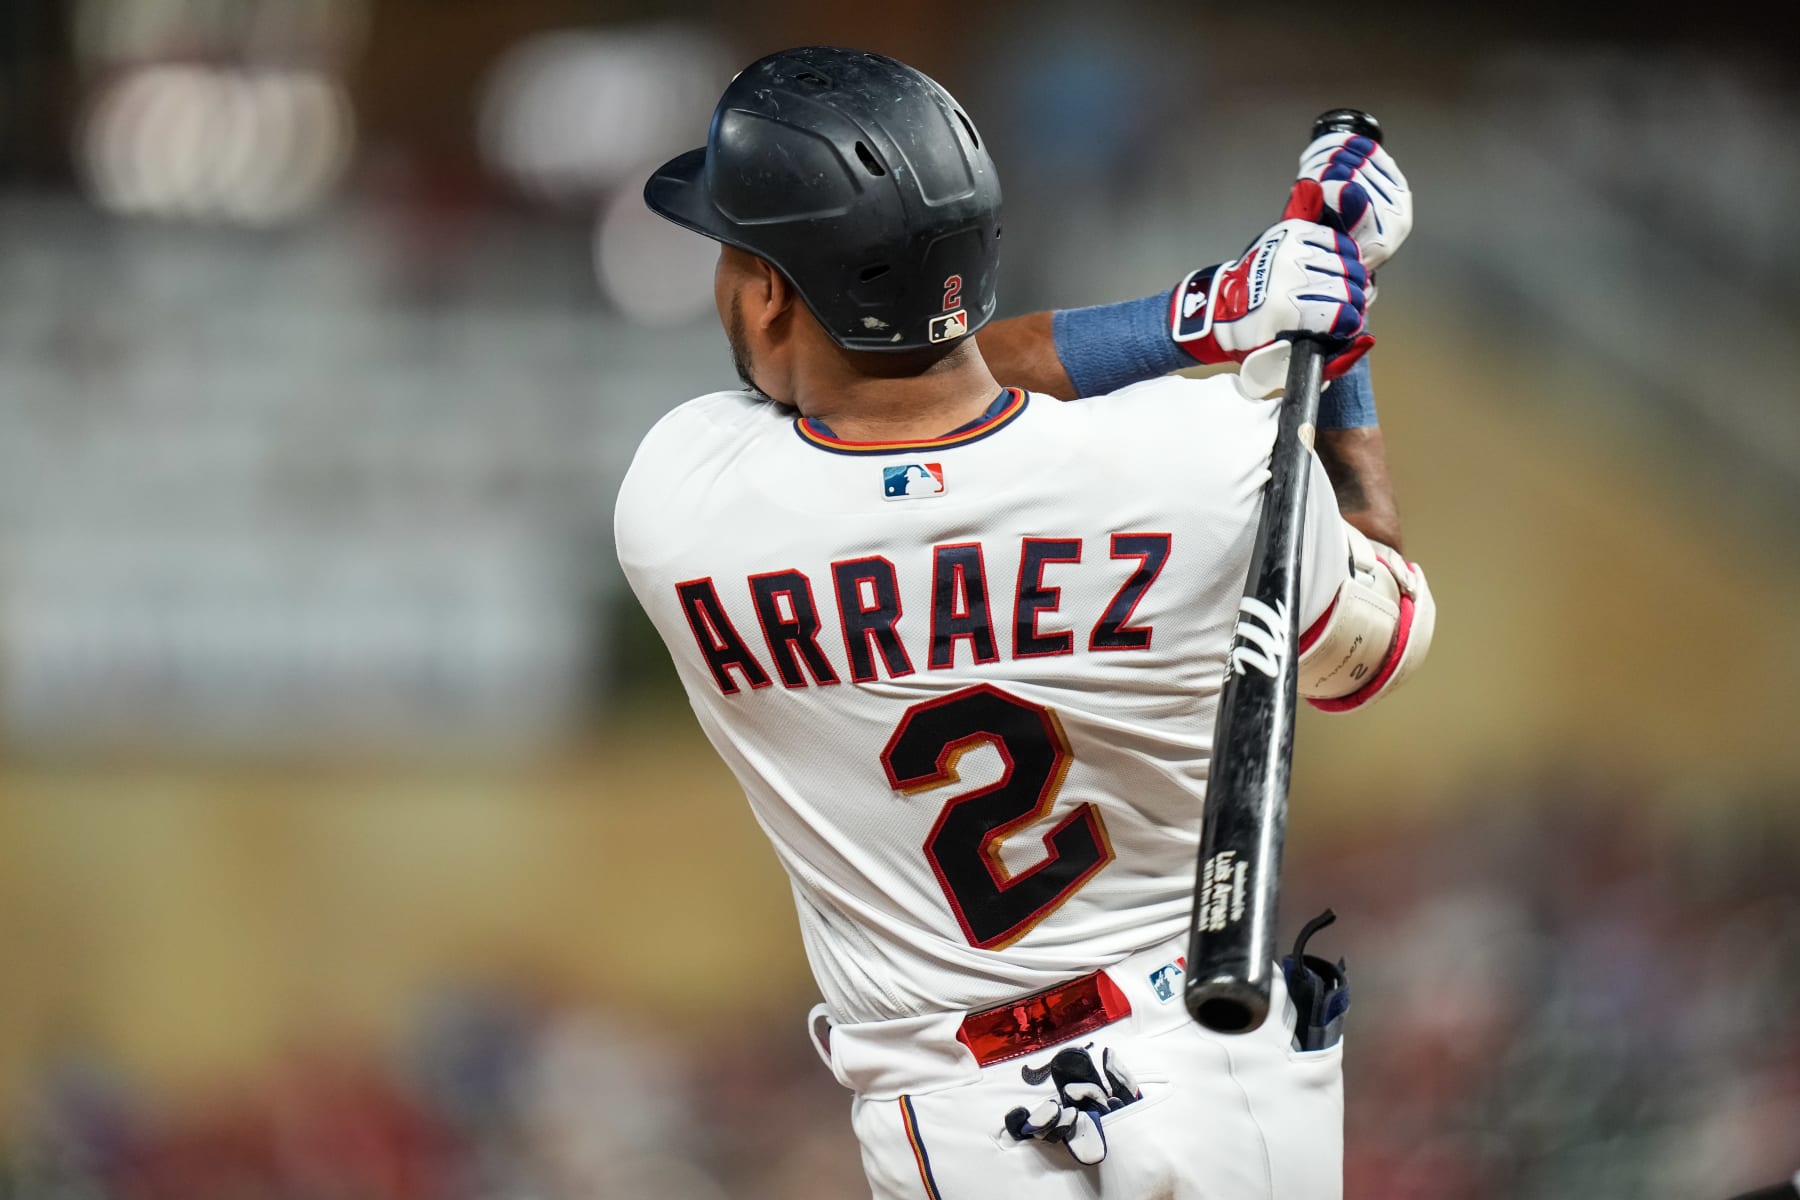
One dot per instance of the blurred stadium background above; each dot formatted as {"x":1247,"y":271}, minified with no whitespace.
{"x":354,"y":840}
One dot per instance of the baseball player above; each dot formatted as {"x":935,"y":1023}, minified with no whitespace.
{"x":962,"y":642}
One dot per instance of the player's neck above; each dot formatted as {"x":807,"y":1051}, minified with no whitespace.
{"x":870,"y":408}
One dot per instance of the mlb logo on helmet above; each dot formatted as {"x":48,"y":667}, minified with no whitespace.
{"x":950,"y":325}
{"x":912,"y":480}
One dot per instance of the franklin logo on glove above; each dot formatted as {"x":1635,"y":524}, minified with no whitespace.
{"x":1259,"y":270}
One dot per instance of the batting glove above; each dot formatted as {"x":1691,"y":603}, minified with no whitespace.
{"x":1297,"y":278}
{"x":1351,"y":184}
{"x":1085,"y":1092}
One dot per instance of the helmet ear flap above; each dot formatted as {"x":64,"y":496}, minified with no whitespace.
{"x":861,"y":180}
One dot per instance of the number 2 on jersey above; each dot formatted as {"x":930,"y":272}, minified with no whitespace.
{"x":994,"y":906}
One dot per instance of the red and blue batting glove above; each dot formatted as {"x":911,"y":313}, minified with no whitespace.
{"x":1297,"y":278}
{"x":1349,"y":183}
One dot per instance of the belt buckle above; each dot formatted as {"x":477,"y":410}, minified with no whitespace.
{"x":1043,"y":1019}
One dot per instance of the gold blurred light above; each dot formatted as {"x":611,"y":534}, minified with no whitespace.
{"x":252,"y":146}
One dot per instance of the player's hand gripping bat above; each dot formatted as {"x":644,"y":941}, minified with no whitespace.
{"x":1231,"y":953}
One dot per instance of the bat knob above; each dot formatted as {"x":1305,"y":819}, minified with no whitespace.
{"x":1347,"y":120}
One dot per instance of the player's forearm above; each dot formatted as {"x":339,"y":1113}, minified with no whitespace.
{"x":1356,"y":461}
{"x":1350,"y":446}
{"x":1021,"y":352}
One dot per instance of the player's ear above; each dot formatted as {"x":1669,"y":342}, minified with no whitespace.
{"x":774,"y":293}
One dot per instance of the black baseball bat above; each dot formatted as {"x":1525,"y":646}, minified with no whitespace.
{"x":1237,"y":883}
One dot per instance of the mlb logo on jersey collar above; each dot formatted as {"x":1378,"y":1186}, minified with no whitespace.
{"x":909,"y":481}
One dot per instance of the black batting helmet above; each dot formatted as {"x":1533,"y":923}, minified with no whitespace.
{"x":862,"y":181}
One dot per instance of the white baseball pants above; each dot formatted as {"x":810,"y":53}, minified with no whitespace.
{"x":1221,"y":1117}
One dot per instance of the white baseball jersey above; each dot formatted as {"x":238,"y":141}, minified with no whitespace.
{"x":967,"y":684}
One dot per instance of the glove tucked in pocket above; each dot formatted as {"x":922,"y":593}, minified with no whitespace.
{"x":1319,"y":989}
{"x":1085,"y":1092}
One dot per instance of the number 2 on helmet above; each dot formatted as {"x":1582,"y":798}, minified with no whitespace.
{"x":952,"y":292}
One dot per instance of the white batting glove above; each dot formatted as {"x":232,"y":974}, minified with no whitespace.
{"x":1085,"y":1092}
{"x":1350,"y":183}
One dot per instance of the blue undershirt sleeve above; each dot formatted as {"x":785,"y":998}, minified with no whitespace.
{"x":1349,"y":402}
{"x":1109,"y":346}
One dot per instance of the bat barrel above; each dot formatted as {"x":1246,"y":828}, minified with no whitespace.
{"x":1231,"y":954}
{"x":1225,"y":1004}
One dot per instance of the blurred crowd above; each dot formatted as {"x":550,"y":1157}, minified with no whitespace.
{"x":1564,"y":991}
{"x":1569,"y":992}
{"x":492,"y":1094}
